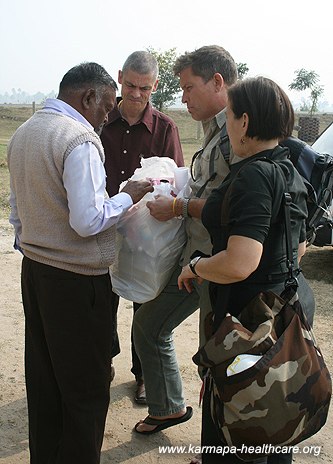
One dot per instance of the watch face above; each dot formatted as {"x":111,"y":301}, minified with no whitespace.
{"x":193,"y":262}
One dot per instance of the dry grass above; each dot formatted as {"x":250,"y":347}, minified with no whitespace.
{"x":190,"y":133}
{"x":11,"y":117}
{"x":4,"y":183}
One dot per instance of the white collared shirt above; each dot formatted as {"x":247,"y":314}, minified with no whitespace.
{"x":90,"y":212}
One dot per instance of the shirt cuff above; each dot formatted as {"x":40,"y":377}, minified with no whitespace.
{"x":123,"y":199}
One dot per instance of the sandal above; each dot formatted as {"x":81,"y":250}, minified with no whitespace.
{"x":162,"y":424}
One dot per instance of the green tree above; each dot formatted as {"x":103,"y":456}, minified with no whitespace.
{"x":168,"y":83}
{"x":242,"y":70}
{"x":316,"y":92}
{"x":308,"y":80}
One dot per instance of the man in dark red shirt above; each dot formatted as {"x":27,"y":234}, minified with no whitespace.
{"x":136,"y":130}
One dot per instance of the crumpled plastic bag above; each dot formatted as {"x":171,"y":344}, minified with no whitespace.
{"x":147,"y":250}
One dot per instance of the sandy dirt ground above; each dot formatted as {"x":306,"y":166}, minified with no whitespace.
{"x":121,"y":444}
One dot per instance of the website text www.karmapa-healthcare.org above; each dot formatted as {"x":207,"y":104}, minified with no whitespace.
{"x":244,"y":449}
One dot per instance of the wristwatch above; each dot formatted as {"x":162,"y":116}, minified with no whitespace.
{"x":185,"y":207}
{"x":193,"y":263}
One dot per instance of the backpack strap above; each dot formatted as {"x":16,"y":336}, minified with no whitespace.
{"x":212,"y":173}
{"x":224,"y":145}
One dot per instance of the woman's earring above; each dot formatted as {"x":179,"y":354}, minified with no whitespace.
{"x":242,"y":141}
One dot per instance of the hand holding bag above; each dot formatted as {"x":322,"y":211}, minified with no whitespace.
{"x":284,"y":397}
{"x":147,"y":250}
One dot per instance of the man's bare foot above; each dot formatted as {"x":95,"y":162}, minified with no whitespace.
{"x":142,"y":427}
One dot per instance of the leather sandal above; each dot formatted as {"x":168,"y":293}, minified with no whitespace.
{"x":162,"y":424}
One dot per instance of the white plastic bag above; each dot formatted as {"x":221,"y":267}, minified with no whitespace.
{"x":147,"y":250}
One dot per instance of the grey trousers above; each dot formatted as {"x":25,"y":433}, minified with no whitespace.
{"x":153,"y":327}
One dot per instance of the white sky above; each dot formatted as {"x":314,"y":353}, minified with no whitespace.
{"x":41,"y":39}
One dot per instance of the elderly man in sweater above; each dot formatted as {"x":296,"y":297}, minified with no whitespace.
{"x":64,"y":226}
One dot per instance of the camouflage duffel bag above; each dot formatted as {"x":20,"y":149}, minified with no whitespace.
{"x":284,"y":396}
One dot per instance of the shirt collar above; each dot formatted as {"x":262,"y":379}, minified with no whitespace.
{"x":147,"y":118}
{"x":59,"y":106}
{"x":221,"y":118}
{"x":210,"y":125}
{"x":278,"y":153}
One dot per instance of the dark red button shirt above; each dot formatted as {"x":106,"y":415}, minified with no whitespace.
{"x":124,"y":145}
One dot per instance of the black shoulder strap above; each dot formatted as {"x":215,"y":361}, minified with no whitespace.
{"x":225,"y":144}
{"x":290,"y":259}
{"x":285,"y":204}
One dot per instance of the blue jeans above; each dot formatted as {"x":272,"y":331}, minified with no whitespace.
{"x":153,"y":327}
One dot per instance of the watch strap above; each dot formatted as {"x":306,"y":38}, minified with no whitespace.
{"x":185,"y":207}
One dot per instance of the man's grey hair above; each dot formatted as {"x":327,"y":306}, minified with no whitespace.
{"x":86,"y":75}
{"x":141,"y":62}
{"x":206,"y":61}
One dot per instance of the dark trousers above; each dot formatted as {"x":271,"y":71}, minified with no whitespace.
{"x":136,"y":364}
{"x":209,"y":437}
{"x":67,"y":362}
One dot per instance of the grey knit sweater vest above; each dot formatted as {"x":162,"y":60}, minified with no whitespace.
{"x":36,"y":156}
